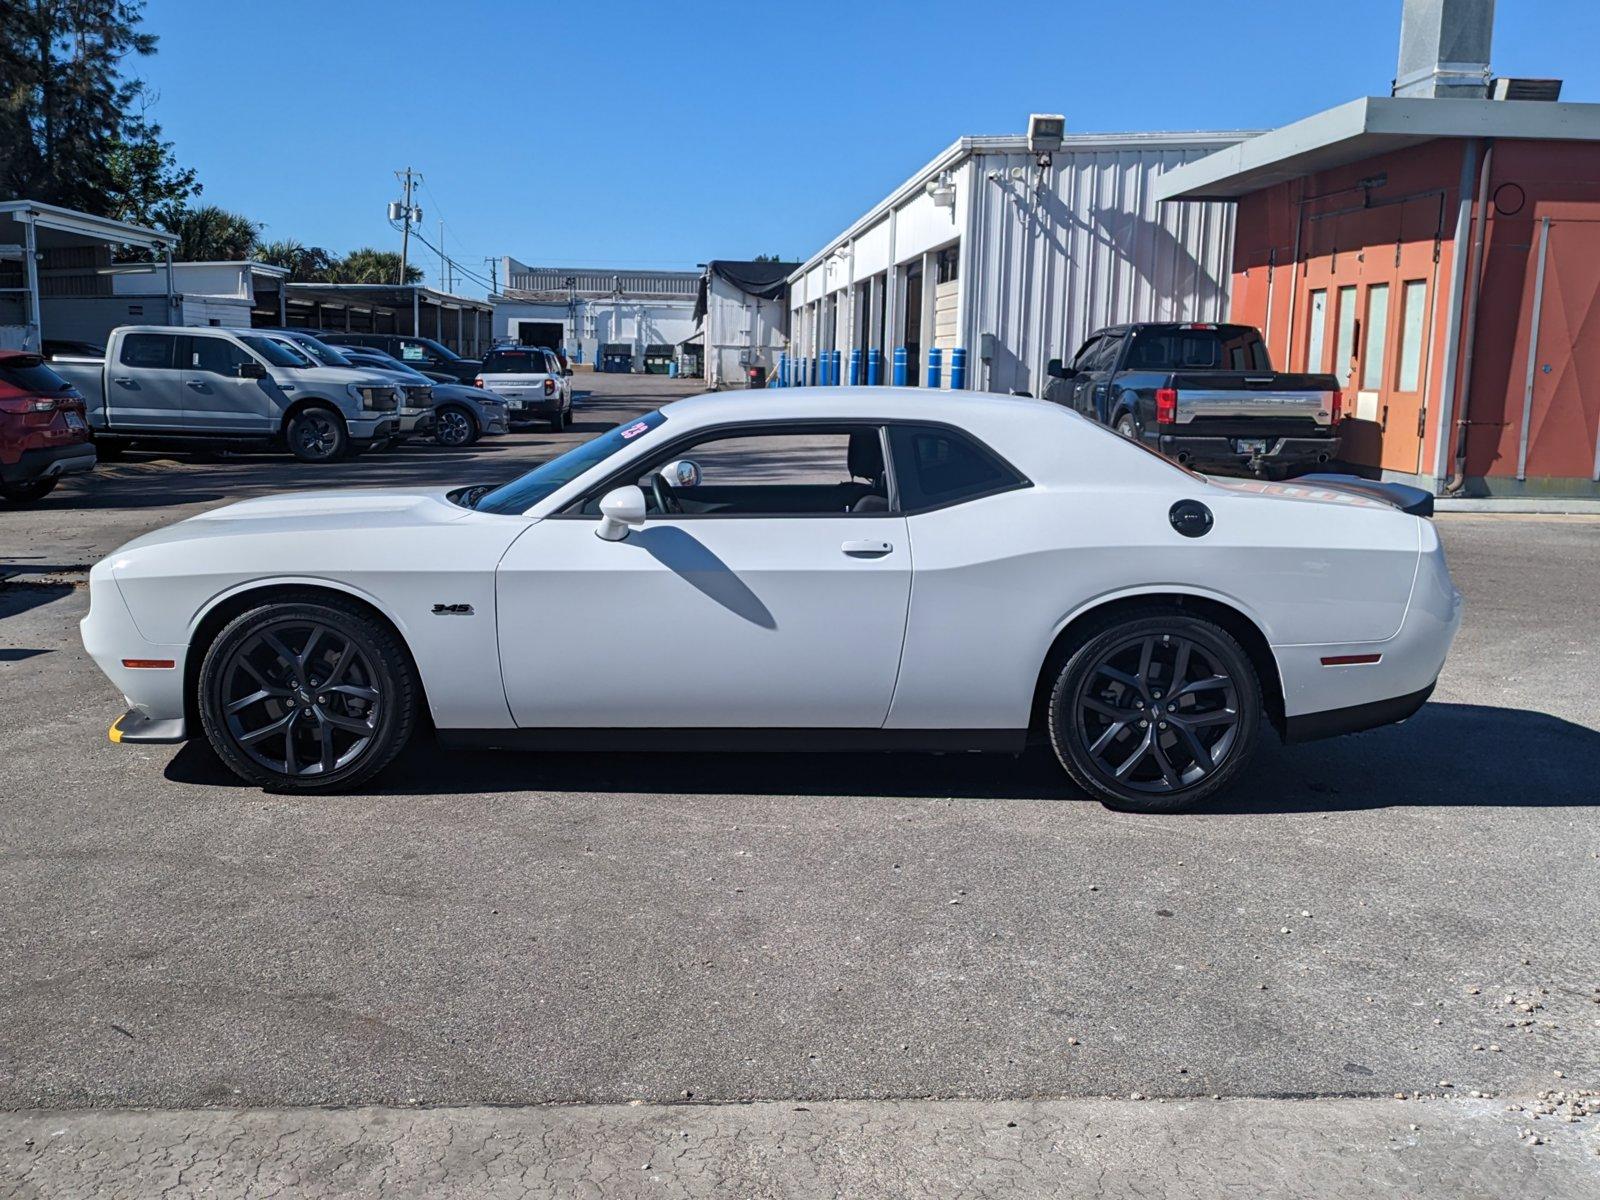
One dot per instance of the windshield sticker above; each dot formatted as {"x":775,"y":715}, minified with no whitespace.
{"x":634,"y":430}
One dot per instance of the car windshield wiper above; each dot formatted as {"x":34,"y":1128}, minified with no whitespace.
{"x":469,"y":497}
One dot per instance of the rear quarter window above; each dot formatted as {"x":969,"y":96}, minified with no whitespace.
{"x":935,"y":467}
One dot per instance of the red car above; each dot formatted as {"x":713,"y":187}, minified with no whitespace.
{"x":43,"y":431}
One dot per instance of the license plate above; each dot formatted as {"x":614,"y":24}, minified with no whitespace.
{"x":74,"y":421}
{"x":1251,"y":445}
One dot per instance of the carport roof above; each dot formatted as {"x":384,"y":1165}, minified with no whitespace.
{"x":382,"y":295}
{"x":1366,"y":127}
{"x":103,"y":229}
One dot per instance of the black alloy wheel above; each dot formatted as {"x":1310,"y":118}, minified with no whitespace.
{"x":1127,"y":428}
{"x":317,"y":435}
{"x":454,"y":426}
{"x":307,"y":696}
{"x":1156,"y":711}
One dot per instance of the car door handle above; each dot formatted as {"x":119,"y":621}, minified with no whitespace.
{"x":125,"y":380}
{"x":196,"y":384}
{"x":867,"y":548}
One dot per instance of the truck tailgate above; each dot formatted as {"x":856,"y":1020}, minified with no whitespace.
{"x":1213,"y":394}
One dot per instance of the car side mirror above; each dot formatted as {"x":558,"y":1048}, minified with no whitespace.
{"x":681,"y":473}
{"x":621,"y":510}
{"x":1056,"y":371}
{"x":250,"y":370}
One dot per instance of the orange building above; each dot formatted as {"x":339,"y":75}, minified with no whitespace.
{"x":1440,"y":254}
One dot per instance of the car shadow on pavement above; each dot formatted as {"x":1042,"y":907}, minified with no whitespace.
{"x":1448,"y":755}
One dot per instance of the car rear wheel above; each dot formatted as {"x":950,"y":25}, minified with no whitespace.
{"x":559,"y":421}
{"x":317,"y":434}
{"x":454,"y":426}
{"x":1127,"y":428}
{"x":307,"y":695}
{"x":27,"y":493}
{"x":1155,"y":711}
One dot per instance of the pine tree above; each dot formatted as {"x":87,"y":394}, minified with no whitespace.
{"x":74,"y":130}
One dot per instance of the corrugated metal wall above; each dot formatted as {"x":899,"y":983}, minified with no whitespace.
{"x":1093,"y":248}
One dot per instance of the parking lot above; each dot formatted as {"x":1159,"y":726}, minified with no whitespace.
{"x":1405,"y":911}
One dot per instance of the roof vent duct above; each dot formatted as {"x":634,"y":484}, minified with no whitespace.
{"x":1444,"y":48}
{"x":1525,"y":89}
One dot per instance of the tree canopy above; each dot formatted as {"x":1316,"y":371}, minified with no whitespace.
{"x":75,"y":129}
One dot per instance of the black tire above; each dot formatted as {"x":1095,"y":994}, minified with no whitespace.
{"x":307,"y":694}
{"x":317,"y":434}
{"x":27,"y":493}
{"x":1186,"y":678}
{"x":559,"y":421}
{"x":1127,"y":428}
{"x":110,"y":449}
{"x":455,"y":426}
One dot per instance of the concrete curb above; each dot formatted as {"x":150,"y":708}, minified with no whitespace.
{"x":1287,"y":1149}
{"x":1572,"y":506}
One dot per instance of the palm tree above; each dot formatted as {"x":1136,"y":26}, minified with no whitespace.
{"x":307,"y":264}
{"x":212,"y":234}
{"x":369,"y":265}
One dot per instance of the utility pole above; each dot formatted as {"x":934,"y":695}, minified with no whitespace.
{"x":494,"y":274}
{"x":407,"y":214}
{"x":444,"y":263}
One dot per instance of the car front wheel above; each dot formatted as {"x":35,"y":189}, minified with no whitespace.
{"x":318,"y":434}
{"x":454,"y":426}
{"x":307,"y":694}
{"x":27,"y":493}
{"x":1155,"y":711}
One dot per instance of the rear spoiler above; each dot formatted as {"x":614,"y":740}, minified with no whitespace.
{"x":1404,"y":497}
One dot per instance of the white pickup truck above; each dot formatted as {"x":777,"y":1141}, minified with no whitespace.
{"x":181,"y":383}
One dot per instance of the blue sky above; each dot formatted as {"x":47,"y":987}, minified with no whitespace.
{"x":655,"y":134}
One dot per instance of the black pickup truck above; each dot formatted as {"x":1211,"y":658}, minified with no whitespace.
{"x":1203,"y":395}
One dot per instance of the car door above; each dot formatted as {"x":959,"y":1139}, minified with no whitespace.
{"x":144,"y":386}
{"x":1096,"y":381}
{"x":217,"y":398}
{"x":776,"y":598}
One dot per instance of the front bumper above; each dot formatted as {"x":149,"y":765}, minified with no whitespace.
{"x":418,"y":421}
{"x":46,"y":462}
{"x":372,"y":427}
{"x":154,"y":694}
{"x":1223,"y":455}
{"x":494,"y":422}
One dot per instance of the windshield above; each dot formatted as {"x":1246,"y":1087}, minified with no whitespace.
{"x":527,"y":490}
{"x":516,"y":362}
{"x":275,"y":352}
{"x":323,"y":353}
{"x":31,"y":375}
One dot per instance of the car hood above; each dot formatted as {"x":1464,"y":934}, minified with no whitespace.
{"x":342,"y":511}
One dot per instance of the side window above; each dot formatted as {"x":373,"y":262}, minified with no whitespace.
{"x":934,"y":467}
{"x":814,"y":472}
{"x":216,"y":355}
{"x":149,"y":351}
{"x":1086,"y":353}
{"x":1105,"y":358}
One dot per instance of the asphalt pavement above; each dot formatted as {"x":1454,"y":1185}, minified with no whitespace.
{"x":1405,"y":911}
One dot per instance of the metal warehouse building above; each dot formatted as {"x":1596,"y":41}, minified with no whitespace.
{"x":987,"y":265}
{"x":640,"y":316}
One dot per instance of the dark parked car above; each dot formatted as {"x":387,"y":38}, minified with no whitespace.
{"x":422,"y":353}
{"x":1204,"y":395}
{"x":43,"y":431}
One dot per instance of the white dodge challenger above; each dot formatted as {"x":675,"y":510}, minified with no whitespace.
{"x":840,"y":568}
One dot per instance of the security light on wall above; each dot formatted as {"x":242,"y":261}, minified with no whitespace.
{"x":1046,"y":132}
{"x":942,"y":190}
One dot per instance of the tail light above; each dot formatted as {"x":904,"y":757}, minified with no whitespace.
{"x":1336,"y":408}
{"x":28,"y":404}
{"x":1166,"y":406}
{"x":549,"y":387}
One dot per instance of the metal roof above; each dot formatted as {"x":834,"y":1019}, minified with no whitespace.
{"x":104,"y":229}
{"x":1366,"y":127}
{"x":383,"y":295}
